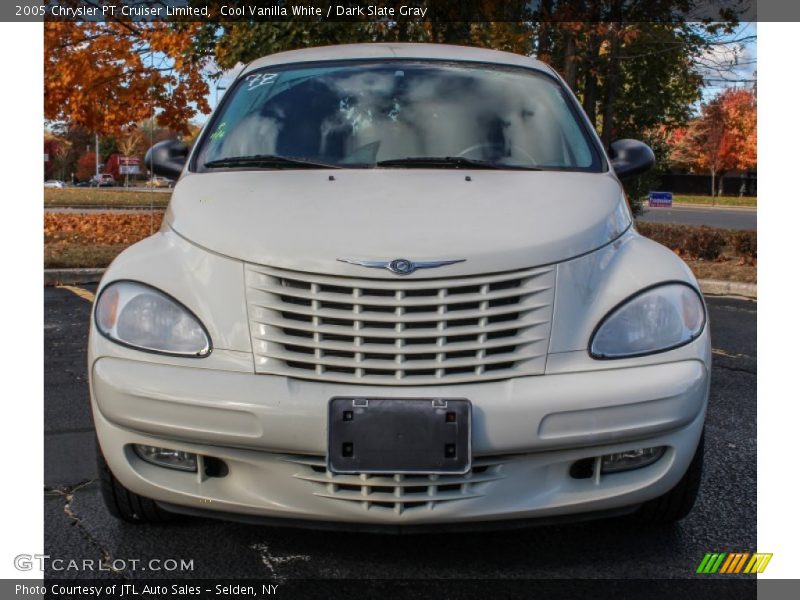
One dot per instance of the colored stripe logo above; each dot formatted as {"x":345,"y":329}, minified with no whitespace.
{"x":734,"y":562}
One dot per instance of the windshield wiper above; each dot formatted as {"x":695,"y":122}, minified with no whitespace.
{"x":267,"y":161}
{"x":447,"y":161}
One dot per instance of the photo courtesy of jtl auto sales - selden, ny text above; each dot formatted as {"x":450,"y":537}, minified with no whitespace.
{"x":331,"y":299}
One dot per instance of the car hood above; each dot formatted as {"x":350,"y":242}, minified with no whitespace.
{"x":307,"y":219}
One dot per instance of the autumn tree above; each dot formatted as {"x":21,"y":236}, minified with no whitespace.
{"x":58,"y":150}
{"x":105,"y":76}
{"x":740,"y":107}
{"x":721,"y":139}
{"x":85,"y":168}
{"x":78,"y":140}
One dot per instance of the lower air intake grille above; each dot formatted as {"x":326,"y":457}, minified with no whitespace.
{"x":398,"y":493}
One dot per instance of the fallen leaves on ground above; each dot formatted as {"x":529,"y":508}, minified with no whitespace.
{"x":99,"y":229}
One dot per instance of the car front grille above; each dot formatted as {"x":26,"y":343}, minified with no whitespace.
{"x":400,"y":331}
{"x":397,"y":492}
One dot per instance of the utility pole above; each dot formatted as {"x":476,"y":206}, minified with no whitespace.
{"x":97,"y":155}
{"x":217,"y":89}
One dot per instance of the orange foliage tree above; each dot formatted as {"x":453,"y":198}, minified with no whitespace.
{"x":57,"y":148}
{"x":721,"y":139}
{"x":86,"y":166}
{"x":106,"y":76}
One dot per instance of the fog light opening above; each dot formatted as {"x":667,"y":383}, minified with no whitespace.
{"x":630,"y":459}
{"x":214,"y":467}
{"x":166,"y":457}
{"x":582,"y":469}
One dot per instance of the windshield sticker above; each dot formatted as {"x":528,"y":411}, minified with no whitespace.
{"x":219,"y":133}
{"x":256,"y":80}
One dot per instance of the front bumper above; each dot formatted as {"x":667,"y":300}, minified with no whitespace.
{"x":272,"y":433}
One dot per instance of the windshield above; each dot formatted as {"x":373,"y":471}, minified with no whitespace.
{"x":400,"y":113}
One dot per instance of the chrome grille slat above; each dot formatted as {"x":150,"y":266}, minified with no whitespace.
{"x":395,"y":491}
{"x":380,"y":379}
{"x":398,"y":317}
{"x":389,"y":364}
{"x":365,"y":301}
{"x":373,"y":348}
{"x":392,"y":334}
{"x":399,"y":331}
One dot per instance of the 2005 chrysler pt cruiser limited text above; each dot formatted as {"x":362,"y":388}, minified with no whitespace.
{"x":398,"y":287}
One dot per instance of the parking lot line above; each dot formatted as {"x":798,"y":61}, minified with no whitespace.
{"x":78,"y":291}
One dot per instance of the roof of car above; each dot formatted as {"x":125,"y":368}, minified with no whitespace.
{"x":396,"y":50}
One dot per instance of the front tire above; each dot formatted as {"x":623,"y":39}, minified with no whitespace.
{"x":678,"y":502}
{"x":124,"y":504}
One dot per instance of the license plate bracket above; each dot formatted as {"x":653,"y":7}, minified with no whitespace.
{"x":399,"y":435}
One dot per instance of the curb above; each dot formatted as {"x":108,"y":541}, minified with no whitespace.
{"x":711,"y":287}
{"x":72,"y":276}
{"x":715,"y":287}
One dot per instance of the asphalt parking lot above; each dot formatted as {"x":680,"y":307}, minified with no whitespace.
{"x":77,"y":525}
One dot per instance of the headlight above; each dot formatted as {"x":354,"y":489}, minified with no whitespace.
{"x":139,"y":316}
{"x":657,"y":319}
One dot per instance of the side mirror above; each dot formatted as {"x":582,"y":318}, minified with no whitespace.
{"x":167,"y":158}
{"x":630,"y":158}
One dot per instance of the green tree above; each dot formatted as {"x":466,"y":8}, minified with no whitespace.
{"x":637,"y":69}
{"x":234,"y":42}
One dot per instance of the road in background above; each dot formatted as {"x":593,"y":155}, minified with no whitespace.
{"x":77,"y":524}
{"x":726,"y":218}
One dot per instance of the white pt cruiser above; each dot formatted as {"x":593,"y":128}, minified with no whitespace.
{"x":398,"y":287}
